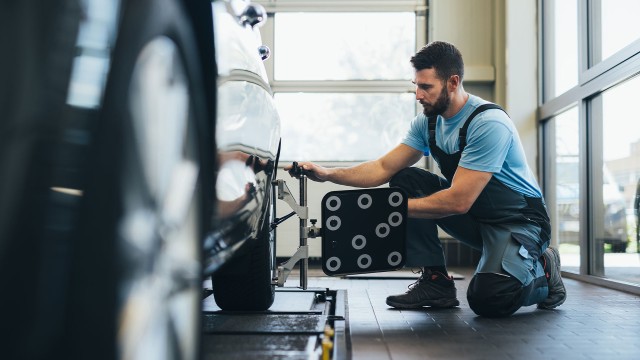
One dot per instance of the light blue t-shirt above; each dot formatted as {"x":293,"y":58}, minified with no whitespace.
{"x":493,"y":145}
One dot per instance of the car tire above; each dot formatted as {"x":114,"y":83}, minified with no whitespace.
{"x":244,"y":283}
{"x":139,"y":271}
{"x":38,"y":46}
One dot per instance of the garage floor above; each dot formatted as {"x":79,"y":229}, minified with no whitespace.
{"x":594,"y":323}
{"x":300,"y":324}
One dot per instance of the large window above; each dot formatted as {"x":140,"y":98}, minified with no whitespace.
{"x":561,"y":46}
{"x":614,"y":220}
{"x":342,"y":126}
{"x":341,"y":75}
{"x":564,"y":171}
{"x":615,"y":26}
{"x":344,"y":46}
{"x":592,"y":163}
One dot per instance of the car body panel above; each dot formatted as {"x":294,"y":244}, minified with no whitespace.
{"x":247,"y":135}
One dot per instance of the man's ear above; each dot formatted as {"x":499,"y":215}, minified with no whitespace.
{"x":453,"y":83}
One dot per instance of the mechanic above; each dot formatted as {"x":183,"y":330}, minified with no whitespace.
{"x":488,"y":199}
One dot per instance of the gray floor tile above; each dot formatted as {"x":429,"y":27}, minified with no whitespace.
{"x":594,"y":323}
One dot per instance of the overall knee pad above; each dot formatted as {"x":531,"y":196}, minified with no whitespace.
{"x":494,"y":295}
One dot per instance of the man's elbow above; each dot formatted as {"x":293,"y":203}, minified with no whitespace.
{"x":462,"y":207}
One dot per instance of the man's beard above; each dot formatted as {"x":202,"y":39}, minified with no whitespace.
{"x":441,"y":105}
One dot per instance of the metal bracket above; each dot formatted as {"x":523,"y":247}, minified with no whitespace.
{"x":285,"y":269}
{"x":285,"y":194}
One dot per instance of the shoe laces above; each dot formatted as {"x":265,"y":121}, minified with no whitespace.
{"x":420,"y":279}
{"x":426,"y":275}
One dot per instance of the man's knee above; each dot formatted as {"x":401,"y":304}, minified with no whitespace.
{"x":403,"y":177}
{"x":494,"y":295}
{"x":418,"y":182}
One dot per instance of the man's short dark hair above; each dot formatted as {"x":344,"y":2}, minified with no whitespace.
{"x":442,"y":56}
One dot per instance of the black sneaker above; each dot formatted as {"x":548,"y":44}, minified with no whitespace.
{"x":557,"y":291}
{"x":432,"y":289}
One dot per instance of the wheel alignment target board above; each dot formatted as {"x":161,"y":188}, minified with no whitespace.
{"x":363,"y":231}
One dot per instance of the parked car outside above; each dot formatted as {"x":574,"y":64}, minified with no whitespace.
{"x":615,"y":222}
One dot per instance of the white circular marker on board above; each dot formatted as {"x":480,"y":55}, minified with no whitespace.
{"x":395,"y":219}
{"x":333,"y":223}
{"x":364,"y":261}
{"x":382,"y":230}
{"x":395,"y":199}
{"x":333,"y":263}
{"x":333,"y":203}
{"x":394,"y":258}
{"x":365,"y":201}
{"x":358,"y":242}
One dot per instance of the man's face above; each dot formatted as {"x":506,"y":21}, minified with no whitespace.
{"x":431,"y":92}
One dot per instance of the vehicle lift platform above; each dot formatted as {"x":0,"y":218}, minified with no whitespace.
{"x":364,"y":232}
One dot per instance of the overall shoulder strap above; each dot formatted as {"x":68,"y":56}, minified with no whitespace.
{"x":462,"y":135}
{"x":431,"y":123}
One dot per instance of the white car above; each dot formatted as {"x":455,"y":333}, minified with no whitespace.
{"x":239,"y":253}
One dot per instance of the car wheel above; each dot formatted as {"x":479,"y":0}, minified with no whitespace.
{"x":38,"y":46}
{"x":145,"y":197}
{"x":244,"y":282}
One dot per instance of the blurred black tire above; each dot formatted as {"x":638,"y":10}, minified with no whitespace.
{"x":244,"y":283}
{"x":37,"y":39}
{"x":142,"y":295}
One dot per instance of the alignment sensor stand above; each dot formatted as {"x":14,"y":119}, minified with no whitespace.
{"x":363,"y":230}
{"x":302,"y":210}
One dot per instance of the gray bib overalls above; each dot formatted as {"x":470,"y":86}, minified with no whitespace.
{"x":511,"y":230}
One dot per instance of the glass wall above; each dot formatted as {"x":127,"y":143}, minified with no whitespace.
{"x":615,"y":26}
{"x":561,"y":46}
{"x":614,"y":221}
{"x":591,"y":136}
{"x":565,"y":174}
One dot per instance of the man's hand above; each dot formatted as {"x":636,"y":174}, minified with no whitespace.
{"x":311,"y":170}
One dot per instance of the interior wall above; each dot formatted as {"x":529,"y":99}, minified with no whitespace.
{"x":498,"y":41}
{"x":521,"y":73}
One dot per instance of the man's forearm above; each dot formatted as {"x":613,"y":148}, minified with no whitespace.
{"x":435,"y":206}
{"x":367,"y":174}
{"x":455,"y":200}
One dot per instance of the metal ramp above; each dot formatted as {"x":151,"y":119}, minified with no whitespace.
{"x":301,"y":324}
